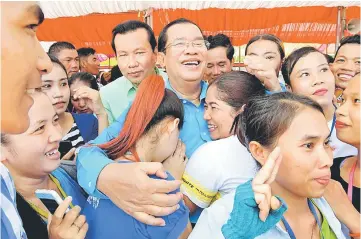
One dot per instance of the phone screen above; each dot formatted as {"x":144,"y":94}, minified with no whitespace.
{"x":50,"y":204}
{"x":64,"y":147}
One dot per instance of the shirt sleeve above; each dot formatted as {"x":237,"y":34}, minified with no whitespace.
{"x":283,"y":89}
{"x":106,"y":105}
{"x":91,"y":159}
{"x":201,"y":178}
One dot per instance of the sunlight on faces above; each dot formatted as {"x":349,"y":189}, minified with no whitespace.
{"x":70,"y":59}
{"x":55,"y":86}
{"x":79,"y":105}
{"x":218,"y":114}
{"x":268,"y":50}
{"x":312,"y":77}
{"x":136,"y":59}
{"x":165,"y":136}
{"x":307,"y":157}
{"x":22,"y":60}
{"x":346,"y":64}
{"x":189,"y":64}
{"x":35,"y":152}
{"x":348,"y":114}
{"x":217,"y":63}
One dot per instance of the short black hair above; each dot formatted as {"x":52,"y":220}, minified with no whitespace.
{"x":355,"y":39}
{"x":55,"y":60}
{"x":59,"y":46}
{"x":293,"y":58}
{"x":85,"y":51}
{"x":163,"y":38}
{"x":221,"y":40}
{"x":84,"y":77}
{"x":131,"y":26}
{"x":330,"y":58}
{"x":268,"y":37}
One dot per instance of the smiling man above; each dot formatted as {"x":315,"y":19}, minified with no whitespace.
{"x":220,"y":57}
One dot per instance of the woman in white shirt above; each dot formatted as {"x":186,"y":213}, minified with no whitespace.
{"x":306,"y":72}
{"x":218,"y":167}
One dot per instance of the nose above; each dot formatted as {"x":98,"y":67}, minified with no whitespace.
{"x":55,"y":133}
{"x":132,"y":61}
{"x":317,"y":79}
{"x":207,"y":115}
{"x":190,"y":49}
{"x":342,"y":110}
{"x":74,"y":65}
{"x":325,"y":158}
{"x":82,"y":103}
{"x":56,"y":92}
{"x":216,"y":71}
{"x":43,"y":63}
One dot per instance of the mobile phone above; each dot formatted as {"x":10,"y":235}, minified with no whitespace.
{"x":64,"y":147}
{"x":50,"y":199}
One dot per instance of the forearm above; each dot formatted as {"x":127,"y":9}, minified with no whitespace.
{"x":102,"y":121}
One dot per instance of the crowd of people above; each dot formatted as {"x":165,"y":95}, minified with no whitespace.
{"x":193,"y":150}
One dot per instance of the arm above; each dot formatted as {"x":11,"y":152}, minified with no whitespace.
{"x":106,"y":105}
{"x":186,"y":231}
{"x":339,"y":202}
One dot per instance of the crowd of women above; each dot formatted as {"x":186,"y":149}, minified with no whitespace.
{"x":244,"y":156}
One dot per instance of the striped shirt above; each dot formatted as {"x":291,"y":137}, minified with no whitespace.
{"x":74,"y":136}
{"x":11,"y":224}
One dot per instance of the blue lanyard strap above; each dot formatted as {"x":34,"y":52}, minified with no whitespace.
{"x":333,"y":121}
{"x":314,"y":213}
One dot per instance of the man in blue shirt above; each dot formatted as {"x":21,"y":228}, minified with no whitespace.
{"x":184,"y":51}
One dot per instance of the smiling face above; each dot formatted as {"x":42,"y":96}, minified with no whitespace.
{"x":312,"y":77}
{"x":217,"y":63}
{"x":306,"y":155}
{"x":185,"y":63}
{"x":218,"y":114}
{"x":136,"y":59}
{"x":348,"y":114}
{"x":55,"y":86}
{"x":35,"y":152}
{"x":23,"y":61}
{"x":346,"y":64}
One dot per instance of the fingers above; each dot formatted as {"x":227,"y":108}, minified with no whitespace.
{"x":275,"y":203}
{"x":60,"y":211}
{"x":69,"y":154}
{"x":148,"y":219}
{"x":163,"y":186}
{"x":82,"y":232}
{"x":70,"y":217}
{"x":263,"y":196}
{"x":268,"y":168}
{"x":165,"y":200}
{"x":79,"y":222}
{"x":160,"y":211}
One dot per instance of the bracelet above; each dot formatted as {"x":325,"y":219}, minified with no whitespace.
{"x":354,"y":234}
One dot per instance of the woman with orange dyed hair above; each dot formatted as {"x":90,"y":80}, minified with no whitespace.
{"x":150,"y":134}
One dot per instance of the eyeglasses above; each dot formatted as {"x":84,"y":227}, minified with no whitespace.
{"x":181,"y":45}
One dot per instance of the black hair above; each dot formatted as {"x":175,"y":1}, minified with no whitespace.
{"x":266,"y":118}
{"x":236,"y":87}
{"x":293,"y":58}
{"x":163,"y":38}
{"x":131,"y":26}
{"x":329,"y":58}
{"x":84,"y":77}
{"x":268,"y":37}
{"x":115,"y":73}
{"x":85,"y":51}
{"x":59,"y":46}
{"x":55,"y":60}
{"x":221,"y":40}
{"x":355,"y":39}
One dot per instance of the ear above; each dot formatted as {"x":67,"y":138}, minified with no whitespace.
{"x":232,"y":62}
{"x":173,"y":125}
{"x":288,"y":87}
{"x":5,"y":154}
{"x":82,"y":64}
{"x":258,"y":152}
{"x":160,"y":59}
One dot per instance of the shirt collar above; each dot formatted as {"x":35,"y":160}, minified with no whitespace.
{"x":204,"y":87}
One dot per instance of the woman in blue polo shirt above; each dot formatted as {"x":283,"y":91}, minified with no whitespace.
{"x":150,"y":134}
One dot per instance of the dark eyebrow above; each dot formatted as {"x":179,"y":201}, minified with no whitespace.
{"x":212,"y":103}
{"x":36,"y":10}
{"x":309,"y":137}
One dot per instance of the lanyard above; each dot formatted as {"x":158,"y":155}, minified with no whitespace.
{"x":314,"y":213}
{"x":333,"y":122}
{"x":44,"y":214}
{"x":350,"y":181}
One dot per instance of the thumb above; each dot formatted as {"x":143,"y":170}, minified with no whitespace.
{"x":49,"y":220}
{"x":275,"y":203}
{"x":154,"y":168}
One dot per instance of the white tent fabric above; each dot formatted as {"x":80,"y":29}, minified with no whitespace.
{"x":55,"y":9}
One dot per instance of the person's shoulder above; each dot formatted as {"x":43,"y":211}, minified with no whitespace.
{"x":119,"y":82}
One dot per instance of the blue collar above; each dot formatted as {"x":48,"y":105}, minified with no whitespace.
{"x":204,"y":87}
